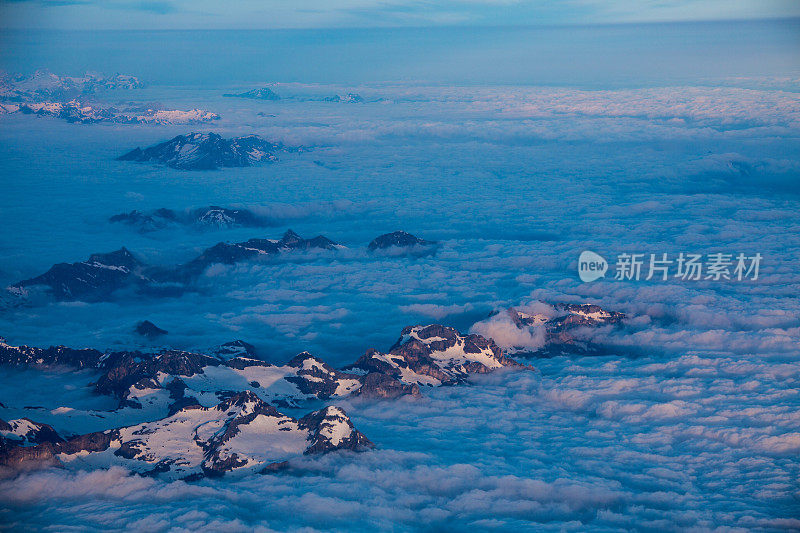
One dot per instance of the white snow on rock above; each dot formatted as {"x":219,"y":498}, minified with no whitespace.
{"x":26,"y":432}
{"x":241,"y":433}
{"x":435,"y":355}
{"x":75,"y":111}
{"x":302,"y":379}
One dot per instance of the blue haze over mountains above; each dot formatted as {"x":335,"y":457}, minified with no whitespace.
{"x":515,"y":149}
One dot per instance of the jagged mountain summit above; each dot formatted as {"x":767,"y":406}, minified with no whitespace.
{"x":231,"y":253}
{"x":90,"y":280}
{"x":559,"y":329}
{"x":25,"y":432}
{"x":33,"y":357}
{"x":206,"y":151}
{"x":221,"y":217}
{"x":264,"y":93}
{"x":434,"y":355}
{"x":568,"y":316}
{"x":234,"y":349}
{"x":173,"y":378}
{"x":241,"y":433}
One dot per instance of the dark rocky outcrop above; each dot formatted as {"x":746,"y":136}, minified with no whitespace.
{"x":379,"y":385}
{"x":314,"y":377}
{"x":149,"y":330}
{"x":26,"y":432}
{"x":399,"y":239}
{"x":129,"y":368}
{"x":331,"y":429}
{"x":143,"y":222}
{"x":212,"y":216}
{"x":47,"y":452}
{"x":234,"y":349}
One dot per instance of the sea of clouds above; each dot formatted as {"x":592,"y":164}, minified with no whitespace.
{"x":692,"y":423}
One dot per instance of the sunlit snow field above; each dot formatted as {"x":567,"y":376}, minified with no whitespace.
{"x":516,"y":149}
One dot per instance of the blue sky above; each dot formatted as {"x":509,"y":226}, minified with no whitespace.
{"x":264,"y":14}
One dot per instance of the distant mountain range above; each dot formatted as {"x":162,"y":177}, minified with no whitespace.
{"x":205,"y":217}
{"x":102,"y":274}
{"x":69,"y":98}
{"x":266,"y":93}
{"x":44,"y":85}
{"x":75,"y":111}
{"x":348,"y":98}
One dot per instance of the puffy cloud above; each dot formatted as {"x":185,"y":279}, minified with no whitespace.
{"x":506,"y":334}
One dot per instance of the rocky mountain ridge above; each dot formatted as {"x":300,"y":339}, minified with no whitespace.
{"x":100,"y":276}
{"x":216,"y":412}
{"x":213,"y":414}
{"x":212,"y":216}
{"x":240,"y":433}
